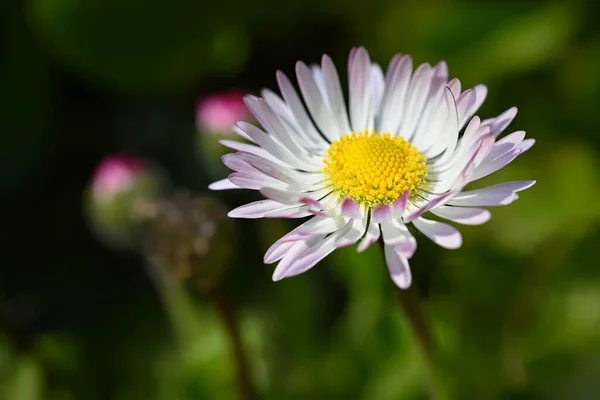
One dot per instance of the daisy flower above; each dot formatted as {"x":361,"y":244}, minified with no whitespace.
{"x":368,"y":169}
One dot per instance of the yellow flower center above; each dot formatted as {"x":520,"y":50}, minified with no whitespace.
{"x":374,"y":168}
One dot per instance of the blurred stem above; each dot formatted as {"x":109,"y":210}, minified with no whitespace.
{"x":413,"y":311}
{"x":186,"y":324}
{"x":228,"y":315}
{"x":412,"y":308}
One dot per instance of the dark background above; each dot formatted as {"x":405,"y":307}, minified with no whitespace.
{"x":516,"y":310}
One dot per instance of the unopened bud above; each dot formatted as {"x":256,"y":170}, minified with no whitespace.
{"x":216,"y":115}
{"x":118,"y":183}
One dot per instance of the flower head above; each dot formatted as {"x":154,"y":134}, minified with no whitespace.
{"x":217,"y":113}
{"x":365,"y":170}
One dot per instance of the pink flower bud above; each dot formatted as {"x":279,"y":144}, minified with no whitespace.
{"x":217,"y":113}
{"x":117,"y":188}
{"x":115,"y":174}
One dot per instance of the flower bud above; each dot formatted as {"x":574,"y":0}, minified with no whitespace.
{"x":117,"y":184}
{"x":216,"y":115}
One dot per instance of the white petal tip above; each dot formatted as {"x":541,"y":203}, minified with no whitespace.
{"x":233,"y":214}
{"x":527,"y":185}
{"x":451,"y":242}
{"x":402,"y":281}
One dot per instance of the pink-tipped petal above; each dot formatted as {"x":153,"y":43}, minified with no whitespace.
{"x":350,"y":209}
{"x":499,"y":124}
{"x":398,"y":267}
{"x":277,"y":251}
{"x":256,"y":209}
{"x":285,"y":267}
{"x":463,"y":215}
{"x":399,"y":205}
{"x":382,"y":213}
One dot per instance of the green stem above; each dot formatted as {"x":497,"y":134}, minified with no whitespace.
{"x":231,"y":325}
{"x":186,"y":324}
{"x":411,"y":306}
{"x":414,"y":314}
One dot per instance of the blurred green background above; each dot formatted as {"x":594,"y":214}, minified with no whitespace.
{"x":515,"y":311}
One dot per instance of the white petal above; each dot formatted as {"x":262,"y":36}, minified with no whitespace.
{"x":335,"y":94}
{"x":526,"y":145}
{"x":317,"y":106}
{"x":444,"y":235}
{"x":255,"y":180}
{"x":496,"y":195}
{"x":465,"y":105}
{"x":500,"y":123}
{"x":312,"y":255}
{"x":394,"y":233}
{"x":277,"y":251}
{"x":283,"y":112}
{"x":454,"y":86}
{"x":317,"y":74}
{"x":256,"y":209}
{"x":466,"y":144}
{"x":417,"y":95}
{"x":297,"y":109}
{"x":371,"y":237}
{"x":298,"y":248}
{"x":277,"y":150}
{"x":377,"y":87}
{"x":481,"y":91}
{"x":506,"y":144}
{"x":489,"y":167}
{"x":233,"y":162}
{"x":431,"y":122}
{"x":291,"y":197}
{"x":321,"y":225}
{"x":359,"y":76}
{"x":223,"y":184}
{"x":359,"y":227}
{"x":282,"y":196}
{"x":398,"y":267}
{"x":447,"y":142}
{"x":280,"y":172}
{"x":289,"y":213}
{"x":396,"y":88}
{"x":275,"y":127}
{"x":314,"y":226}
{"x":463,"y":215}
{"x":250,"y":148}
{"x":490,"y":197}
